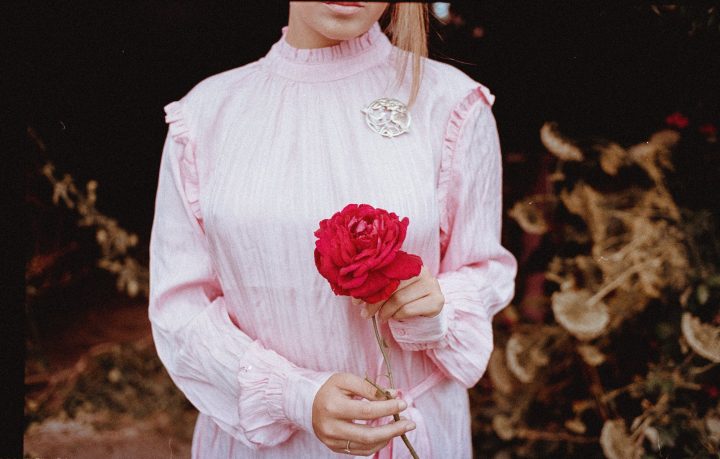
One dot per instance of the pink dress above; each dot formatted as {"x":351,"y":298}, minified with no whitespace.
{"x":255,"y":157}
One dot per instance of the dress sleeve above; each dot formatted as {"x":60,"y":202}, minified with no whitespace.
{"x":477,"y":274}
{"x":256,"y":395}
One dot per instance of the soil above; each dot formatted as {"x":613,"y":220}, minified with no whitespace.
{"x":102,"y":391}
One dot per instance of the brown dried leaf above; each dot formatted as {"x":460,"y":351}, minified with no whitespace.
{"x":667,"y":138}
{"x":525,"y":355}
{"x":704,"y":339}
{"x":654,"y":155}
{"x":575,"y":425}
{"x":591,"y":354}
{"x":712,"y":424}
{"x":529,"y":216}
{"x":577,"y":315}
{"x":558,"y":145}
{"x":612,"y":158}
{"x":501,"y":377}
{"x":503,"y":427}
{"x":616,"y":443}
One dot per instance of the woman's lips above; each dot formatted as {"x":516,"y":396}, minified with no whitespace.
{"x":344,"y":7}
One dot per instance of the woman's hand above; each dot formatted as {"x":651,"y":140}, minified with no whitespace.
{"x":334,"y":410}
{"x":417,"y":296}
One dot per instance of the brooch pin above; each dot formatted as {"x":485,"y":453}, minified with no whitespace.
{"x":387,"y":117}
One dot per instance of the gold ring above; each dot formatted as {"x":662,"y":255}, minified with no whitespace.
{"x":347,"y":447}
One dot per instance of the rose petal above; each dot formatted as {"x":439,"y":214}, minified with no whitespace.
{"x":348,"y":208}
{"x":351,"y":282}
{"x":324,"y":245}
{"x":347,"y":248}
{"x":360,"y":266}
{"x":404,"y":266}
{"x":398,"y":232}
{"x":326,"y":268}
{"x":383,"y":294}
{"x":389,"y":253}
{"x":375,"y":282}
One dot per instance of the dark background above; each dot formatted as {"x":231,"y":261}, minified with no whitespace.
{"x":97,"y":74}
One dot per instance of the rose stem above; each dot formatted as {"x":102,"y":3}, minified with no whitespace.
{"x":381,"y":343}
{"x":387,"y":395}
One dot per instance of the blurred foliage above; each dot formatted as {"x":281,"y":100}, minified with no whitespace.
{"x":61,"y":257}
{"x":624,"y":362}
{"x":696,"y":19}
{"x":115,"y":243}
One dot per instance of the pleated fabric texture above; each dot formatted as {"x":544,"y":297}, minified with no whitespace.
{"x":254,"y":158}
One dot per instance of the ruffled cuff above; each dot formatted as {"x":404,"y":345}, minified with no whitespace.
{"x":179,"y":126}
{"x":276,"y":397}
{"x":419,"y":333}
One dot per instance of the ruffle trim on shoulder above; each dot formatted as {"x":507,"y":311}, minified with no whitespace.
{"x":177,"y":122}
{"x":179,"y":128}
{"x":453,"y":131}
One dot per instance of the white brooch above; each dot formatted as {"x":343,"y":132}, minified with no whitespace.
{"x":387,"y":117}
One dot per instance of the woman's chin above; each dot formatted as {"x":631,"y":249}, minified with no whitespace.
{"x":344,"y":30}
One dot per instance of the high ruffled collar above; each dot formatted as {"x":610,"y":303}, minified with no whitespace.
{"x":331,"y":62}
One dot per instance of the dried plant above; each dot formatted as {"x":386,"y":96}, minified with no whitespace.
{"x":58,"y":263}
{"x":627,"y":363}
{"x":115,"y":242}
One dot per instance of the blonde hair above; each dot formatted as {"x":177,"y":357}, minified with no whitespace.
{"x":407,"y":25}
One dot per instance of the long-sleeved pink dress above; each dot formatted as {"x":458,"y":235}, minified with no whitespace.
{"x":254,"y":158}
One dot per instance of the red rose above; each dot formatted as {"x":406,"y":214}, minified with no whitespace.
{"x":358,"y":252}
{"x":708,"y":130}
{"x":677,"y":120}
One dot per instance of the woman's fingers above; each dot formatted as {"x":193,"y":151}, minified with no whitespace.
{"x":366,"y":410}
{"x":401,"y":298}
{"x":365,"y":436}
{"x":335,"y":409}
{"x":426,"y":306}
{"x":356,"y":449}
{"x":358,"y":386}
{"x":371,"y":308}
{"x":402,"y":289}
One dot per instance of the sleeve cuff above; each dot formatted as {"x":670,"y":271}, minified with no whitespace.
{"x":276,"y":397}
{"x":300,"y":390}
{"x":419,"y":333}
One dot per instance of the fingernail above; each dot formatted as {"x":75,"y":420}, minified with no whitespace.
{"x":411,"y":426}
{"x":364,"y":313}
{"x":402,"y":405}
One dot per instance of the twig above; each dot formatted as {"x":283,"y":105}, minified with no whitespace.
{"x":615,"y":392}
{"x":596,"y":389}
{"x":696,"y":371}
{"x":381,"y":343}
{"x":615,"y":283}
{"x":396,"y":417}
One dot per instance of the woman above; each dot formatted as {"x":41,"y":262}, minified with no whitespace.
{"x":255,"y":157}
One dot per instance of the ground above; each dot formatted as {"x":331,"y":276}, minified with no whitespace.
{"x":104,"y":393}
